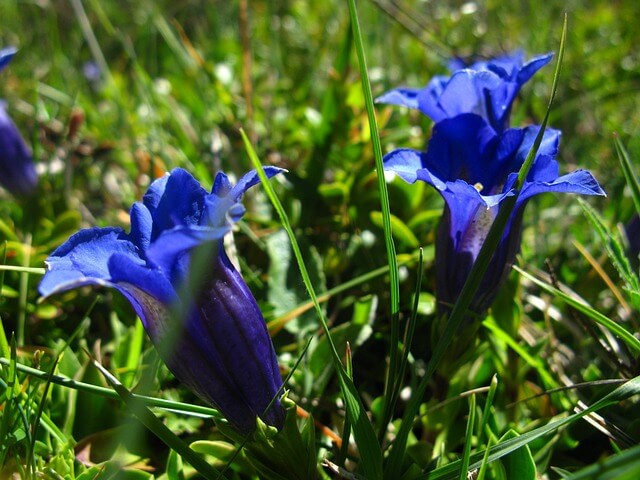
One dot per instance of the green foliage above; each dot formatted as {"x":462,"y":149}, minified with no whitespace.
{"x":330,"y":250}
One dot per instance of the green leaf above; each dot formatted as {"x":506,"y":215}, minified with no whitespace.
{"x":519,"y":463}
{"x":401,"y":231}
{"x":222,"y":452}
{"x":627,"y":337}
{"x":623,"y":466}
{"x":450,"y":471}
{"x":466,"y":453}
{"x":286,"y":291}
{"x":355,"y":332}
{"x":113,"y":469}
{"x":174,"y":466}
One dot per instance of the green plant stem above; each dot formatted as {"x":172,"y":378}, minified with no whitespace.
{"x":178,"y":407}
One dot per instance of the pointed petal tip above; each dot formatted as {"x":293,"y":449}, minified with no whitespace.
{"x":6,"y":55}
{"x":403,"y":97}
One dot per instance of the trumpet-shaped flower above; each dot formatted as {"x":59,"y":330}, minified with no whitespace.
{"x":17,"y":172}
{"x":221,"y":348}
{"x":475,"y":168}
{"x":487,"y":88}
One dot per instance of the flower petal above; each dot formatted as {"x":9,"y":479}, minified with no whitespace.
{"x":6,"y":54}
{"x":222,"y":350}
{"x":165,"y":251}
{"x":463,"y":93}
{"x":464,"y":202}
{"x":580,"y":181}
{"x":17,"y":171}
{"x":174,"y":200}
{"x":230,"y":323}
{"x":154,"y":193}
{"x":549,"y":145}
{"x":405,"y":163}
{"x":141,"y":226}
{"x":404,"y":97}
{"x":128,"y":270}
{"x":532,"y":66}
{"x":222,"y":206}
{"x":464,"y":148}
{"x":84,"y":260}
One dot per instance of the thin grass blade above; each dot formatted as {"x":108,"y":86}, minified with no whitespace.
{"x":394,"y":283}
{"x":466,"y":453}
{"x":450,"y":471}
{"x":370,"y":453}
{"x":158,"y":428}
{"x":630,"y":176}
{"x":627,"y":337}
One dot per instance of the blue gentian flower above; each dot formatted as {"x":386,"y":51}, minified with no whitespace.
{"x":487,"y":88}
{"x":632,"y":231}
{"x":17,"y":172}
{"x":475,"y":168}
{"x":221,"y":350}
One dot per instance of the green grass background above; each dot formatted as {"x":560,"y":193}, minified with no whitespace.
{"x":177,"y":81}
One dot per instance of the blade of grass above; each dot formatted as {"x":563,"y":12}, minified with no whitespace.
{"x":613,"y":247}
{"x":346,"y":430}
{"x":4,"y":260}
{"x":371,"y":455}
{"x":627,"y":168}
{"x":537,"y":363}
{"x":10,"y":395}
{"x":394,"y":283}
{"x":278,"y":323}
{"x":408,"y":335}
{"x":13,"y":268}
{"x":31,"y":461}
{"x":487,"y":406}
{"x":5,"y":351}
{"x":4,"y":344}
{"x":624,"y":466}
{"x":394,"y":464}
{"x":628,"y":338}
{"x":158,"y":428}
{"x":449,"y":471}
{"x":603,"y":275}
{"x":466,"y":453}
{"x":177,"y":407}
{"x":484,"y":464}
{"x":24,"y":290}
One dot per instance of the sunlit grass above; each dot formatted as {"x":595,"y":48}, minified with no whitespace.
{"x":168,"y":91}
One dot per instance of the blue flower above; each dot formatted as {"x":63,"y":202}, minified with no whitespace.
{"x":487,"y":88}
{"x":632,"y":231}
{"x":474,"y":168}
{"x":221,"y":348}
{"x":17,"y":172}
